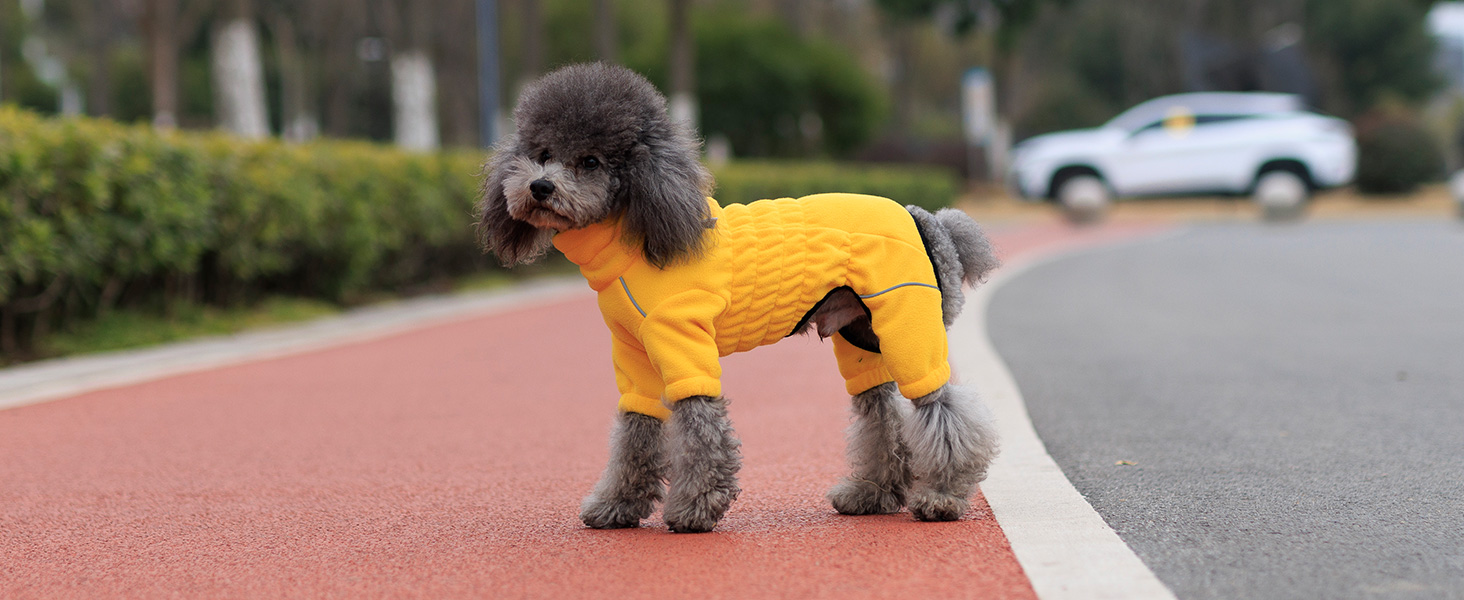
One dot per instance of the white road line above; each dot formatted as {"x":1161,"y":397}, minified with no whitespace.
{"x":43,"y":381}
{"x":1065,"y":547}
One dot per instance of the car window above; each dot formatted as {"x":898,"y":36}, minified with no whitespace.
{"x":1199,"y":120}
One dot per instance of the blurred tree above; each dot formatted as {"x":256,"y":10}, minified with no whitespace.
{"x":1004,"y":20}
{"x":456,"y":56}
{"x":340,"y":28}
{"x":97,"y":21}
{"x":607,"y":41}
{"x":410,"y":30}
{"x":1370,"y":51}
{"x":238,"y":70}
{"x":771,"y":93}
{"x":167,"y":23}
{"x":293,"y":28}
{"x":683,"y":62}
{"x":532,"y":57}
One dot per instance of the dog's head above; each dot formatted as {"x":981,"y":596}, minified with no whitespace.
{"x":594,"y":143}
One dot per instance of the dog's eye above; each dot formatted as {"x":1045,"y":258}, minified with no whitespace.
{"x":544,"y":157}
{"x":589,"y":163}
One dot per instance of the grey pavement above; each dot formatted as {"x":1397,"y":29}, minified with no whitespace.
{"x":1291,"y":399}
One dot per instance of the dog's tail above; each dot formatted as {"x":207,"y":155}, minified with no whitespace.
{"x":959,"y":251}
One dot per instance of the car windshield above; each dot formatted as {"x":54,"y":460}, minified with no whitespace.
{"x":1207,"y":103}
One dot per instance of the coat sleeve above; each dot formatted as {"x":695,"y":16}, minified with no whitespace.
{"x":639,"y":384}
{"x":680,"y":339}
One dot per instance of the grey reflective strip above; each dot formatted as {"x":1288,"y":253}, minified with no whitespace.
{"x":632,"y":298}
{"x":894,"y":288}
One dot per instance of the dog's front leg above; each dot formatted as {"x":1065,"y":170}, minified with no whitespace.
{"x":704,"y":459}
{"x":631,"y":484}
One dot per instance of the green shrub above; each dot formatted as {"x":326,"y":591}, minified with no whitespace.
{"x":94,"y":214}
{"x":747,"y":181}
{"x":1395,"y":157}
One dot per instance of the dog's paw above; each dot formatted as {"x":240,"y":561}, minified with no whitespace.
{"x":862,"y":497}
{"x":611,"y":514}
{"x":929,"y":505}
{"x":698,"y":513}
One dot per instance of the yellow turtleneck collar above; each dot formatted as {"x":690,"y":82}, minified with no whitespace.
{"x":597,"y":249}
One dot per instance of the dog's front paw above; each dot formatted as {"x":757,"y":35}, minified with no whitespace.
{"x":614,"y":514}
{"x":930,"y":505}
{"x":698,"y":512}
{"x":863,"y":497}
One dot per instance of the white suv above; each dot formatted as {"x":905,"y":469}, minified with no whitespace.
{"x":1200,"y":143}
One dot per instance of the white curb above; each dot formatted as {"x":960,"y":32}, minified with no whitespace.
{"x":1065,"y":547}
{"x":63,"y":377}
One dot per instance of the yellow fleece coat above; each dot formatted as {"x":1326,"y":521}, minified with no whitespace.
{"x":766,"y":265}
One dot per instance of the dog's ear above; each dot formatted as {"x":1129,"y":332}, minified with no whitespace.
{"x":511,"y":240}
{"x":664,"y":194}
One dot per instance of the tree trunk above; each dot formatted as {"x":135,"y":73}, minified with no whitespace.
{"x":239,"y":78}
{"x":162,"y":42}
{"x":606,"y":35}
{"x":414,"y":94}
{"x":683,"y":65}
{"x":904,"y":80}
{"x":533,"y":41}
{"x":413,"y":76}
{"x":98,"y":25}
{"x":300,"y":121}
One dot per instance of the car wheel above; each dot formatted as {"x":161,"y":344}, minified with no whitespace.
{"x":1281,"y":194}
{"x":1084,"y":198}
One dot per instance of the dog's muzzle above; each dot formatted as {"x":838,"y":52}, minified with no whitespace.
{"x":542,"y":189}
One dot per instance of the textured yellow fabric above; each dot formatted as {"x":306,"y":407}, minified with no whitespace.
{"x":767,"y":264}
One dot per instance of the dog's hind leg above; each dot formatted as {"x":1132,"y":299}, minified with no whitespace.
{"x":631,"y":484}
{"x":879,"y":457}
{"x":704,"y":459}
{"x":952,"y":442}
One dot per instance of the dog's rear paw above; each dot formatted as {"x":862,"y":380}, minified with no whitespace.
{"x":929,"y":505}
{"x":861,"y":497}
{"x":610,"y":514}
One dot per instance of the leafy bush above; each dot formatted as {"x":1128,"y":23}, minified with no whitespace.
{"x":94,"y":214}
{"x":1395,"y":156}
{"x":928,"y":187}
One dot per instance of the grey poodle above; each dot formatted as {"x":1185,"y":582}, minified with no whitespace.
{"x":598,"y":170}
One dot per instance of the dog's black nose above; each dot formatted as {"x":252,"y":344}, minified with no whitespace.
{"x":541,"y":188}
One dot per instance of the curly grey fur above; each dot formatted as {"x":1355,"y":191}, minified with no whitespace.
{"x":878,"y":455}
{"x":645,"y":170}
{"x":952,"y":442}
{"x":704,"y":459}
{"x":946,"y":259}
{"x":959,"y":251}
{"x":512,"y":240}
{"x":631,"y":485}
{"x":978,"y":259}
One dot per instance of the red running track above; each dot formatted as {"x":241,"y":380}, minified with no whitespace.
{"x":447,"y":462}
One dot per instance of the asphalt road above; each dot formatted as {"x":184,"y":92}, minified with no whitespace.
{"x":1290,"y":398}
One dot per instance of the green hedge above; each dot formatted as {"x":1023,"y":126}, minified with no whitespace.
{"x":928,"y":187}
{"x":96,"y":215}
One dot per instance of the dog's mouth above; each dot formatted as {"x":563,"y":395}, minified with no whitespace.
{"x":544,"y":217}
